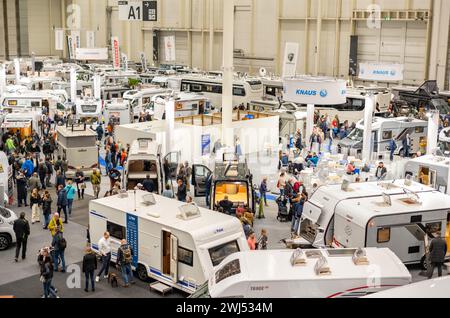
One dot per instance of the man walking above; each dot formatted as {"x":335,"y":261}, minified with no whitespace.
{"x":96,"y":180}
{"x":21,"y":228}
{"x":104,"y":246}
{"x":438,"y":251}
{"x":62,"y":202}
{"x":124,"y":260}
{"x":59,"y":244}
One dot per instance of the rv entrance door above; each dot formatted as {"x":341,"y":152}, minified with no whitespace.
{"x":170,"y":255}
{"x":200,"y":174}
{"x":171,"y":162}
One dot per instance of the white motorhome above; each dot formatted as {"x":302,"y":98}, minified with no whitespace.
{"x":7,"y":235}
{"x":168,"y":82}
{"x":317,"y":220}
{"x":186,"y":104}
{"x":383,"y":130}
{"x":24,"y":122}
{"x":175,"y":243}
{"x":326,"y":273}
{"x":119,"y":112}
{"x":145,"y":158}
{"x":78,"y":144}
{"x":89,"y":109}
{"x":430,"y":170}
{"x":431,"y":288}
{"x":26,"y":99}
{"x":244,"y":89}
{"x":403,"y":223}
{"x":140,"y":100}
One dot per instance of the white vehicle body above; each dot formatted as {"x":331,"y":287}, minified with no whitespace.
{"x":444,"y":141}
{"x":383,"y":130}
{"x":272,"y":87}
{"x":403,"y":223}
{"x":89,"y":109}
{"x":430,"y":170}
{"x":82,"y":86}
{"x":244,"y":89}
{"x":168,"y":82}
{"x":6,"y":178}
{"x":34,"y":100}
{"x":119,"y":112}
{"x":78,"y":144}
{"x":177,"y":251}
{"x":38,"y":83}
{"x":432,"y":288}
{"x":24,"y":121}
{"x":317,"y":221}
{"x":140,"y":100}
{"x":118,"y":78}
{"x":7,"y":235}
{"x":270,"y":274}
{"x":186,"y":104}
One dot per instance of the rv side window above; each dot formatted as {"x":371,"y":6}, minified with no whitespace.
{"x":219,"y":253}
{"x":196,"y":88}
{"x":231,"y":269}
{"x":238,"y":91}
{"x":387,"y":135}
{"x":384,"y":235}
{"x":420,"y":130}
{"x":185,"y":256}
{"x":116,"y":231}
{"x":35,"y":104}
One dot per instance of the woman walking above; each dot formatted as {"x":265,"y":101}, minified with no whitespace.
{"x":35,"y":204}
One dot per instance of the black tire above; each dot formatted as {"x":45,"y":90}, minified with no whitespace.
{"x":141,"y":273}
{"x":5,"y":241}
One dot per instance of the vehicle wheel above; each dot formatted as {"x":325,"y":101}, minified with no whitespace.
{"x":5,"y":241}
{"x":141,"y":272}
{"x":424,"y":263}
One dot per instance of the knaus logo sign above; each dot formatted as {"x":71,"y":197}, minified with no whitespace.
{"x":322,"y":93}
{"x":317,"y":91}
{"x":381,"y":72}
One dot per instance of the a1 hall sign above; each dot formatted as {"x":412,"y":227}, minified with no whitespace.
{"x":138,"y":10}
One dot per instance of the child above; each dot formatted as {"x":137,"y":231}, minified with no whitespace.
{"x":262,"y":242}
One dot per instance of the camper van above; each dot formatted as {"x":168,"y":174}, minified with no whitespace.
{"x":21,"y":100}
{"x":89,"y":110}
{"x":383,"y":130}
{"x":7,"y":235}
{"x":232,"y":179}
{"x":404,"y":223}
{"x":444,"y":142}
{"x":140,"y":100}
{"x":186,"y":104}
{"x":317,"y":220}
{"x":244,"y":89}
{"x":78,"y":144}
{"x":430,"y":170}
{"x":325,"y":273}
{"x":145,"y":158}
{"x":118,"y":112}
{"x":175,"y":243}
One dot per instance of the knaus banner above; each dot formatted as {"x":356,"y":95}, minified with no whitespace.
{"x":316,"y":91}
{"x":290,"y":59}
{"x":381,"y":71}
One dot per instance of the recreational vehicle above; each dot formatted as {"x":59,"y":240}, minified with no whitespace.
{"x":118,"y":112}
{"x":326,"y":273}
{"x":317,"y":220}
{"x":175,"y":243}
{"x":89,"y":110}
{"x":431,"y":288}
{"x":78,"y":144}
{"x":140,"y":100}
{"x":25,"y":122}
{"x":404,"y":223}
{"x":145,"y":158}
{"x":186,"y":104}
{"x":21,"y":100}
{"x":272,"y":87}
{"x":430,"y":170}
{"x":444,"y":141}
{"x":383,"y":131}
{"x":244,"y":89}
{"x":7,"y":235}
{"x":231,"y":179}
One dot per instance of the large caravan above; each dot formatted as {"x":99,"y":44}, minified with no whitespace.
{"x":33,"y":100}
{"x":244,"y":89}
{"x":317,"y":221}
{"x":383,"y":131}
{"x":403,"y":223}
{"x":430,"y":170}
{"x":326,"y":273}
{"x":89,"y":110}
{"x":118,"y":112}
{"x":186,"y":104}
{"x":78,"y":144}
{"x":175,"y":243}
{"x":140,"y":100}
{"x":145,"y":158}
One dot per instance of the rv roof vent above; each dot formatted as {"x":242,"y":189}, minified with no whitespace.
{"x":321,"y":268}
{"x":148,"y":199}
{"x":123,"y":194}
{"x":360,"y":257}
{"x":298,"y":258}
{"x":189,"y":212}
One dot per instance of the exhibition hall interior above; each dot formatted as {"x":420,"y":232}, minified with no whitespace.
{"x":200,"y":149}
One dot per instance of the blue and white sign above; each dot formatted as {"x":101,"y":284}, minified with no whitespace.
{"x":206,"y":145}
{"x":133,"y":236}
{"x":381,"y":72}
{"x":314,"y":90}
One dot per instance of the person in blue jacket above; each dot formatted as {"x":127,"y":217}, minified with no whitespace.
{"x":28,"y":167}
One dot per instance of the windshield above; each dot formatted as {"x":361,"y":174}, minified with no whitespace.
{"x":219,"y":253}
{"x":356,"y":134}
{"x":231,"y":269}
{"x":441,"y":105}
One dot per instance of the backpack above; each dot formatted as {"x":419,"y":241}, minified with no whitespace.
{"x":62,"y":244}
{"x":127,"y":257}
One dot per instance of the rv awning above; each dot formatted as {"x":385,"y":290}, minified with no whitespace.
{"x":22,"y":124}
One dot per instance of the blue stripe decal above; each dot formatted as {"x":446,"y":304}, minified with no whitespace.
{"x":96,"y":214}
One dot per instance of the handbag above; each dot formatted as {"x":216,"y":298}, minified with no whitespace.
{"x":42,"y":279}
{"x":83,"y":186}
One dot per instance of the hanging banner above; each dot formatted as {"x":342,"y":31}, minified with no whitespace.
{"x":150,"y":10}
{"x":115,"y":52}
{"x":315,"y":90}
{"x":381,"y":72}
{"x":91,"y":54}
{"x":70,"y":47}
{"x":90,"y":39}
{"x":290,"y":59}
{"x":76,"y":37}
{"x":169,"y":48}
{"x":59,"y":40}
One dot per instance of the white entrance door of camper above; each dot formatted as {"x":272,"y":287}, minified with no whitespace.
{"x":174,"y":258}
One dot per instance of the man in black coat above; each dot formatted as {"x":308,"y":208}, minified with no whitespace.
{"x":438,"y":251}
{"x":148,"y":184}
{"x":21,"y":181}
{"x":89,"y":267}
{"x":21,"y":228}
